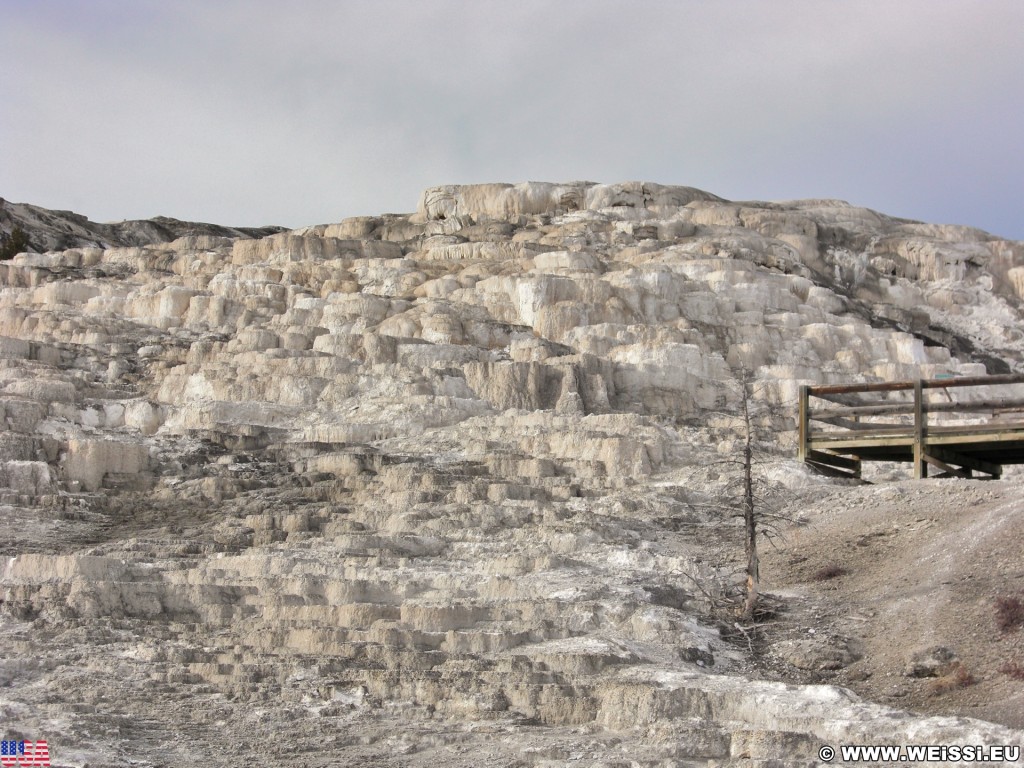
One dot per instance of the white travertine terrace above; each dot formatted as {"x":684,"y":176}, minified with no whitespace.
{"x":413,"y":466}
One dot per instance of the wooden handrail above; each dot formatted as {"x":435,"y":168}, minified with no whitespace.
{"x":914,"y":439}
{"x":898,"y":386}
{"x":892,"y":409}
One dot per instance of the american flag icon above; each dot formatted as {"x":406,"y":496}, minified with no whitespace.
{"x":15,"y":754}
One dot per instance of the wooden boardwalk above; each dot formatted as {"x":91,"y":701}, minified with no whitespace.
{"x":956,"y":425}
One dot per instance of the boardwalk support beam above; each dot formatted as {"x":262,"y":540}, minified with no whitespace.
{"x":834,"y":464}
{"x":804,"y":421}
{"x":920,"y":465}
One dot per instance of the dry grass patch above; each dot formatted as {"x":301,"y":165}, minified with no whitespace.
{"x":831,"y":571}
{"x":1009,"y":612}
{"x":1013,"y":669}
{"x":957,"y":676}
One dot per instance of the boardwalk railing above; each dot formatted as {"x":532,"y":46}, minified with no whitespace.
{"x":957,"y":425}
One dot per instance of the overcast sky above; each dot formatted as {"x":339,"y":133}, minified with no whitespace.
{"x":303,"y":112}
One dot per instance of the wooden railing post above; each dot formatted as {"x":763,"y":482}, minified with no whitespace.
{"x":804,"y":427}
{"x":920,"y":429}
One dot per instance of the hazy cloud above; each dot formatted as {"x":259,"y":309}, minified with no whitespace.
{"x":295,"y":113}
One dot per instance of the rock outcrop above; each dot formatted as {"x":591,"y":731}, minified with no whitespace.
{"x":416,"y":489}
{"x":49,"y":230}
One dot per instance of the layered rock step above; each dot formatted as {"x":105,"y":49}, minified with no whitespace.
{"x":401,"y":478}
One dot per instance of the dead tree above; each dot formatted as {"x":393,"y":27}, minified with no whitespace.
{"x":749,"y":511}
{"x":749,"y":496}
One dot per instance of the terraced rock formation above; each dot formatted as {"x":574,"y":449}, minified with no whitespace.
{"x":444,"y":488}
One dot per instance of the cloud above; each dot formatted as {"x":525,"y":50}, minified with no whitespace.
{"x":257,"y":112}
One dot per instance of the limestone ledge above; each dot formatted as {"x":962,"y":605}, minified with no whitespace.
{"x":459,"y":464}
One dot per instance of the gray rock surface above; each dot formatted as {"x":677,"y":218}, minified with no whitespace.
{"x":443,"y":488}
{"x":50,"y":230}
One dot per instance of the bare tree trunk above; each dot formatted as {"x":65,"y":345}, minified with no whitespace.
{"x":749,"y":518}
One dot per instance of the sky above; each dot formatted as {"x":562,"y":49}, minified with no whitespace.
{"x":256,"y":112}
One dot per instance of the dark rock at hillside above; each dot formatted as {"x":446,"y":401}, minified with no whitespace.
{"x":50,"y":230}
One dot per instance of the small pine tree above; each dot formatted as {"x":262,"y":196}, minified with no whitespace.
{"x":15,"y":243}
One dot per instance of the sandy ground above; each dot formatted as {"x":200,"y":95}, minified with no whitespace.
{"x":921,"y":565}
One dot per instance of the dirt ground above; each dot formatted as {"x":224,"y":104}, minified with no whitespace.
{"x":873,"y":575}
